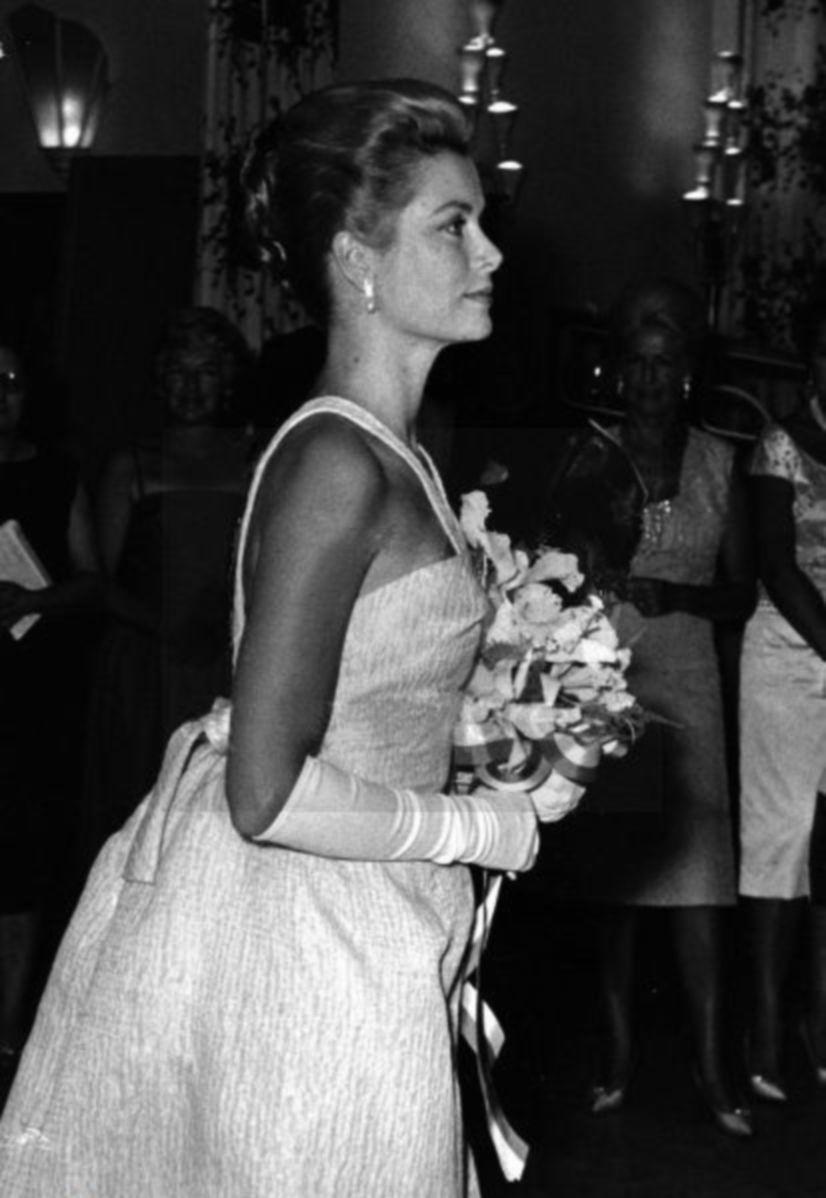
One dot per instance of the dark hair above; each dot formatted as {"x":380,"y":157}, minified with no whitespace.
{"x":663,"y":303}
{"x":343,"y":157}
{"x":204,"y":328}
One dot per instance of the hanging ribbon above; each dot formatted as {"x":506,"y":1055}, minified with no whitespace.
{"x":483,"y":1032}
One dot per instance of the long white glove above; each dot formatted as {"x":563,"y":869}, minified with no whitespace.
{"x":333,"y":813}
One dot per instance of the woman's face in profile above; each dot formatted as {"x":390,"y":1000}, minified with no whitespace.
{"x":193,"y":385}
{"x":434,"y":282}
{"x":11,"y":390}
{"x":653,"y":368}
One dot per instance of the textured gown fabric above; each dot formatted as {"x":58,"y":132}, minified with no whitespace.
{"x":783,"y":700}
{"x":39,"y":689}
{"x":177,"y":562}
{"x":656,"y":828}
{"x":230,"y":1020}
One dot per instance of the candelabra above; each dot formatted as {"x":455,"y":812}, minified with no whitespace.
{"x":716,"y":203}
{"x":482,"y":62}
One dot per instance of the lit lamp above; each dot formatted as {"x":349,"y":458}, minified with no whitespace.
{"x":481,"y":64}
{"x":64,"y":69}
{"x":716,"y":204}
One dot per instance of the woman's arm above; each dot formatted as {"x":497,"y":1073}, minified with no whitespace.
{"x":116,"y":498}
{"x":790,"y":589}
{"x":731,"y":597}
{"x":317,"y":526}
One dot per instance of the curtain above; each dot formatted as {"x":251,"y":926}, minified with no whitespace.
{"x":785,"y":233}
{"x":262,"y":55}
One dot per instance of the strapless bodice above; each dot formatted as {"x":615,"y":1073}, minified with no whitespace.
{"x":408,"y":652}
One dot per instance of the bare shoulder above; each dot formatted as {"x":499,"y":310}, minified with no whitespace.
{"x":327,"y":469}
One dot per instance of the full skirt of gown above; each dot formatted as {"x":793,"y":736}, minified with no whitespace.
{"x":231,"y":1019}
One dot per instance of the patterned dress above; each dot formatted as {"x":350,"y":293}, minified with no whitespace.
{"x":231,"y":1020}
{"x":656,"y":828}
{"x":783,"y":700}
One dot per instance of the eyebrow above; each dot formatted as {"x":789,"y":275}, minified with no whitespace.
{"x":462,"y":205}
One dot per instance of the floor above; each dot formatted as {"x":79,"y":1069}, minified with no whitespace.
{"x":538,"y":976}
{"x":661,"y":1144}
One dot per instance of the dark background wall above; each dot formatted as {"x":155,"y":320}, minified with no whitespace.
{"x":609,"y":96}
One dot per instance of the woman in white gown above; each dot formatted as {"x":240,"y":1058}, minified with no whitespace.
{"x":258,"y":994}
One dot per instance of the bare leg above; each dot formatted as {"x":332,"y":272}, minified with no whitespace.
{"x":773,"y":926}
{"x":817,"y":931}
{"x":699,"y":962}
{"x":817,"y":1007}
{"x":618,"y":935}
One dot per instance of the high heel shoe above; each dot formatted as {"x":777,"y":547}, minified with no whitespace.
{"x":734,"y":1121}
{"x":605,"y":1099}
{"x":818,"y":1067}
{"x":763,"y":1085}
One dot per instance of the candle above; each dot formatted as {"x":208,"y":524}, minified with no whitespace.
{"x":502,"y":113}
{"x":715,"y":119}
{"x":495,"y":62}
{"x":471,"y":60}
{"x":483,"y":14}
{"x":509,"y":176}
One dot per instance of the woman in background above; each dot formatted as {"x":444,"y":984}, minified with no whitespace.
{"x":39,"y":686}
{"x":783,"y":720}
{"x":667,"y":536}
{"x":259,"y":993}
{"x":167,"y":515}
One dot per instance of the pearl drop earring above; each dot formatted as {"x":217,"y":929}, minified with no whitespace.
{"x":369,"y":296}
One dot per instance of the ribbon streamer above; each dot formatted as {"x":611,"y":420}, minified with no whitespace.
{"x":483,"y":1032}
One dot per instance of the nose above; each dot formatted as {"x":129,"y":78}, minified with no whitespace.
{"x":489,"y":254}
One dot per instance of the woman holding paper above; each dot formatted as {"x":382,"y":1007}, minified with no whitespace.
{"x":47,"y":569}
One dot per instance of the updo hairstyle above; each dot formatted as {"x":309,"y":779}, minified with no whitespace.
{"x":666,"y":304}
{"x":342,"y":158}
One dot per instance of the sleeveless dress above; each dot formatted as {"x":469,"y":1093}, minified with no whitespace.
{"x":177,"y":561}
{"x":231,"y":1020}
{"x":655,"y":828}
{"x":783,"y":700}
{"x":40,"y":688}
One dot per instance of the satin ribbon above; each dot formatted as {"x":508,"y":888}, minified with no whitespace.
{"x":483,"y":1033}
{"x":196,"y":751}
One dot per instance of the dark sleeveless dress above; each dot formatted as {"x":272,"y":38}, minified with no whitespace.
{"x":176,"y":561}
{"x":36,"y":679}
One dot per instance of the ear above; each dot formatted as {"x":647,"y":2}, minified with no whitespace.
{"x":352,"y":258}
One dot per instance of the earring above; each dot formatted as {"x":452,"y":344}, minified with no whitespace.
{"x":687,"y":385}
{"x":369,"y":296}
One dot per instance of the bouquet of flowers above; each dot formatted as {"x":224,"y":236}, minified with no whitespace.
{"x":549,"y":690}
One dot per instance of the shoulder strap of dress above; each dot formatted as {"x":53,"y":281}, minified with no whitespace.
{"x":427,"y":475}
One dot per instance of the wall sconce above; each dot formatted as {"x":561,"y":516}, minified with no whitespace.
{"x":65,"y":73}
{"x":482,"y":63}
{"x":716,"y":203}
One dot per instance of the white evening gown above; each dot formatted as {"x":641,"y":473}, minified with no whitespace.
{"x":229,"y":1020}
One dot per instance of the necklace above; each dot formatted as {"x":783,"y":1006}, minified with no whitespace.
{"x":655,"y":518}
